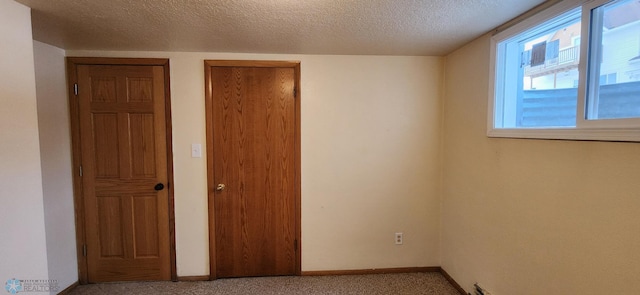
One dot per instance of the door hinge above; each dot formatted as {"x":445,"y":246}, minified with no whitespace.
{"x":81,"y":171}
{"x":295,"y":245}
{"x":84,"y":250}
{"x":75,"y":88}
{"x":295,"y":91}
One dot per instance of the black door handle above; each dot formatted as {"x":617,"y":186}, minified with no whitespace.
{"x":158,"y":187}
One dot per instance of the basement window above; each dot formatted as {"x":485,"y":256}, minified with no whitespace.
{"x":569,"y":72}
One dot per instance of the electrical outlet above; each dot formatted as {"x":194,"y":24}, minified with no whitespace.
{"x":398,"y":238}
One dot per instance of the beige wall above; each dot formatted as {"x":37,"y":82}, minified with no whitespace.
{"x":533,"y":216}
{"x":55,"y":155}
{"x":370,"y":158}
{"x":22,"y":231}
{"x":518,"y":216}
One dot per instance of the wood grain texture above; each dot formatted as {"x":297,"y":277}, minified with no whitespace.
{"x":252,"y":64}
{"x":252,"y":142}
{"x":371,"y":271}
{"x":142,"y":138}
{"x":111,"y":235}
{"x":145,"y":227}
{"x":107,"y":150}
{"x":193,"y":278}
{"x":123,"y":152}
{"x":78,"y":200}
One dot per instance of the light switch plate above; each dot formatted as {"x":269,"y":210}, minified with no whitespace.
{"x":196,"y":150}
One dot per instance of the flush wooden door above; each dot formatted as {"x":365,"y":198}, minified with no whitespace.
{"x":124,"y":172}
{"x":253,"y":169}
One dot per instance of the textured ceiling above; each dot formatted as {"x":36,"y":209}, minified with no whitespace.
{"x":380,"y":27}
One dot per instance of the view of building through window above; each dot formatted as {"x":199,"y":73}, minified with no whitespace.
{"x":549,"y":62}
{"x":614,"y":90}
{"x":558,"y":52}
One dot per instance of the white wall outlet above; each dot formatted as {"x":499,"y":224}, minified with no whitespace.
{"x":398,"y":238}
{"x":196,"y":150}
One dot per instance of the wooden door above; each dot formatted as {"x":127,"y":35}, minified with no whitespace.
{"x":123,"y":154}
{"x":252,"y":140}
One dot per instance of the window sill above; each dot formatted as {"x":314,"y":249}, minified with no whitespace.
{"x":608,"y":134}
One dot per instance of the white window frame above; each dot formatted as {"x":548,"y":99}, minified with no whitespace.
{"x":604,"y":130}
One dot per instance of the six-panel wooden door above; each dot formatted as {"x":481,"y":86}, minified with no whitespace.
{"x":123,"y":147}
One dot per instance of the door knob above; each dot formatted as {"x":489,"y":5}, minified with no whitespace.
{"x":158,"y":187}
{"x":220,"y":187}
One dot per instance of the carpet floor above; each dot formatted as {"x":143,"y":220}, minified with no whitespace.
{"x":406,"y":283}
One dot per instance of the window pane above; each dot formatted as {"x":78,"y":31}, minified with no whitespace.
{"x":614,"y":65}
{"x":549,"y":97}
{"x":539,"y":75}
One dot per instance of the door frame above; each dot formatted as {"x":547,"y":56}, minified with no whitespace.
{"x":78,"y":198}
{"x":208,"y":64}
